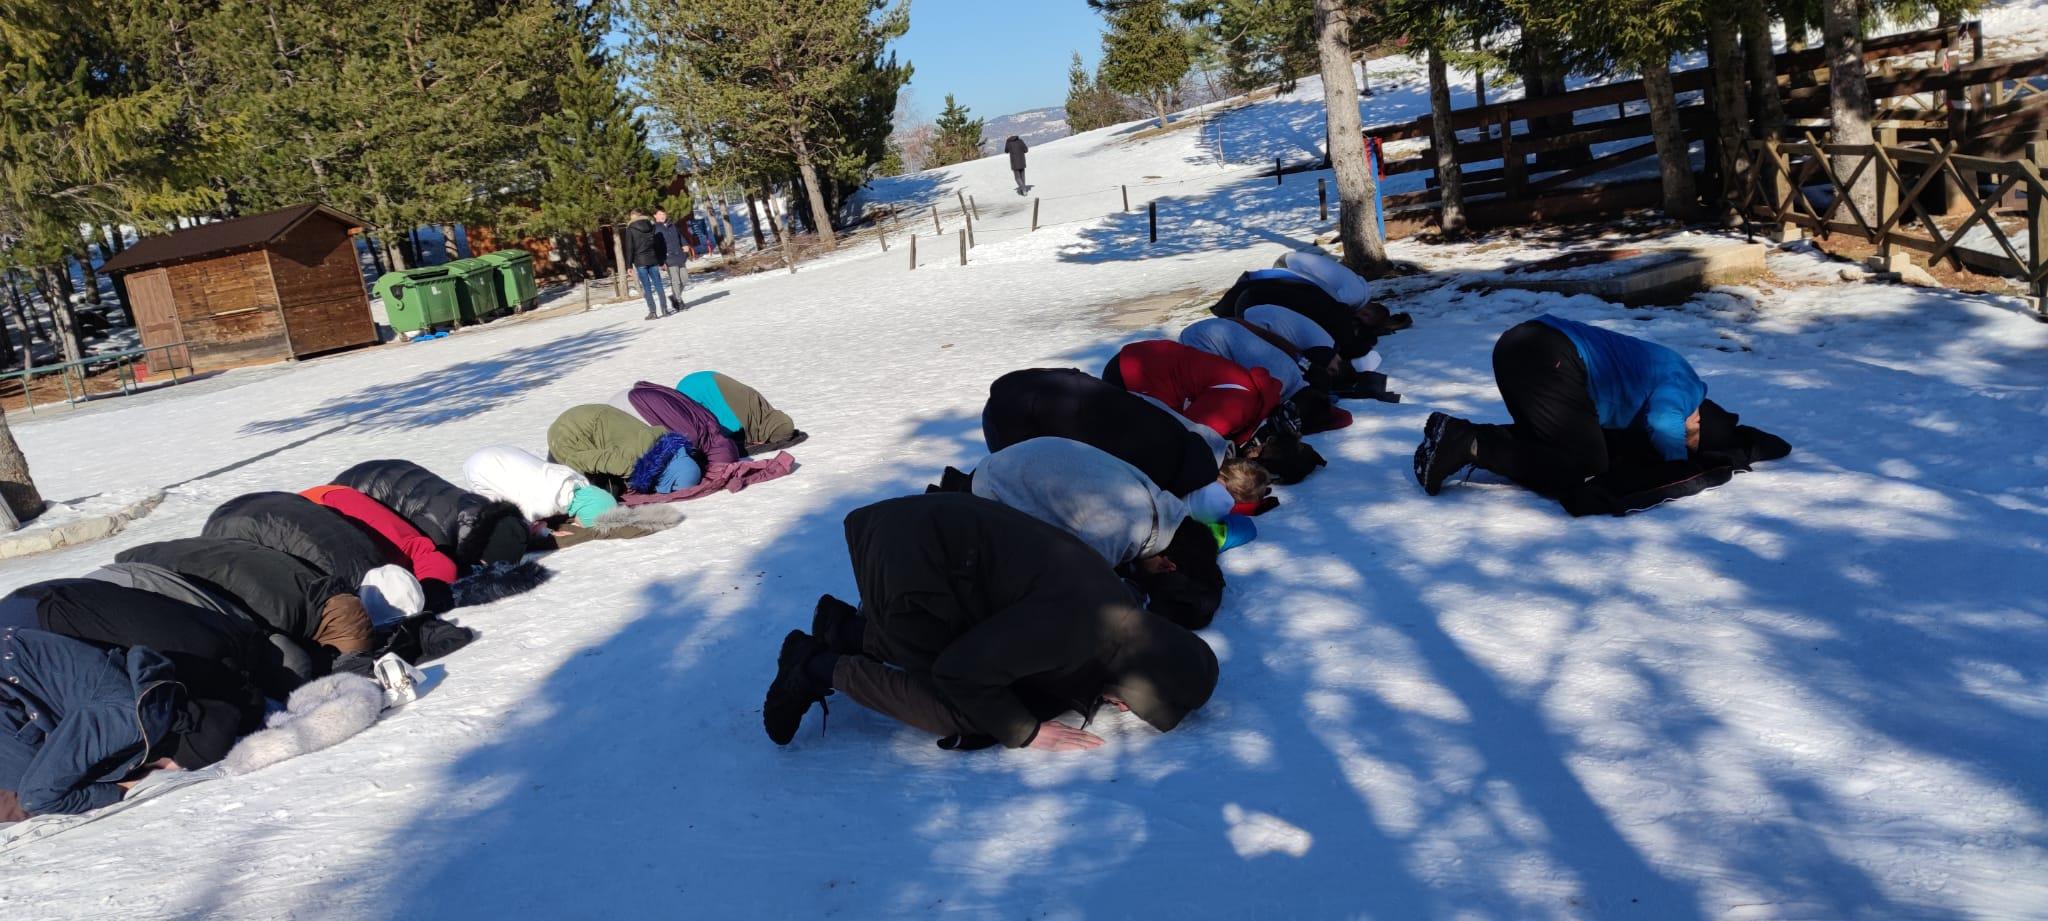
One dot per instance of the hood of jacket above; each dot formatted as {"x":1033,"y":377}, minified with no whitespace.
{"x":511,"y":474}
{"x":1110,"y":505}
{"x":596,"y":438}
{"x":1162,"y":670}
{"x":301,"y":527}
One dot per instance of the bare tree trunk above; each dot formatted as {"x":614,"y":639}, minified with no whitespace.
{"x":723,"y":214}
{"x":754,"y":221}
{"x":781,"y":232}
{"x":395,"y":254}
{"x":448,"y":242}
{"x":1795,"y":33}
{"x":1849,"y":108}
{"x":1450,"y":178}
{"x":29,"y":333}
{"x":1767,"y":111}
{"x":1159,"y":108}
{"x":618,"y":261}
{"x":820,"y":219}
{"x":1364,"y":251}
{"x":57,"y":291}
{"x":572,"y":256}
{"x":1731,"y":110}
{"x":17,"y":488}
{"x":114,"y":239}
{"x":1674,"y":162}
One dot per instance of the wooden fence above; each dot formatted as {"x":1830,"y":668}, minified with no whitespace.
{"x":1543,"y":146}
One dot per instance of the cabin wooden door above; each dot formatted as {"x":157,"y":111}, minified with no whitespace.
{"x":156,"y":312}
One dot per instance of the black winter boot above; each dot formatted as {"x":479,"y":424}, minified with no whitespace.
{"x":794,"y":690}
{"x":1447,"y":447}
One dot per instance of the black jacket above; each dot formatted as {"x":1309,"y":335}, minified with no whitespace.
{"x":1014,"y":619}
{"x":301,"y":527}
{"x":1067,"y":403}
{"x":1015,"y":148}
{"x":215,"y":657}
{"x":643,"y":244}
{"x":458,"y":521}
{"x":1354,"y":336}
{"x":284,"y":592}
{"x":673,"y":247}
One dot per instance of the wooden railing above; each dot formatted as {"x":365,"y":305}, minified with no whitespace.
{"x":1793,"y":174}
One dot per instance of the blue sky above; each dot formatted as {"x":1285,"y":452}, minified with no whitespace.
{"x":996,"y":56}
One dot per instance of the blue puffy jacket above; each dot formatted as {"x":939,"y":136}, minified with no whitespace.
{"x":1636,"y":384}
{"x":75,"y":718}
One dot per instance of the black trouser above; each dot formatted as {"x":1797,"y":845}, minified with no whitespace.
{"x":1019,"y":171}
{"x":1555,"y":442}
{"x":211,"y":654}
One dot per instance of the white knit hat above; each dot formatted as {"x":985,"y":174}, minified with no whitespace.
{"x":391,"y":594}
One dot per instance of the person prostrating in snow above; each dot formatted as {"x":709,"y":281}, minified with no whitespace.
{"x":980,"y":625}
{"x":1604,"y":423}
{"x":1016,"y":149}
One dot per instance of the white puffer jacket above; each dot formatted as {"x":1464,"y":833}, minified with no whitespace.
{"x":515,"y":475}
{"x":1329,"y":275}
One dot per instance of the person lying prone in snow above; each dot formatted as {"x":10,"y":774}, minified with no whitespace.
{"x":1042,"y":628}
{"x":747,"y":416}
{"x":567,"y":507}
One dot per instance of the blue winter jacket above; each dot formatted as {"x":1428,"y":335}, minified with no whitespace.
{"x":75,"y":718}
{"x":675,"y":249}
{"x":1636,"y":384}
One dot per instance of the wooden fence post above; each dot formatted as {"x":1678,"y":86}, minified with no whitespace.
{"x":963,"y":204}
{"x":936,"y":228}
{"x":1781,"y":190}
{"x":974,"y":206}
{"x":2037,"y":230}
{"x":882,"y":231}
{"x":1152,"y":218}
{"x":1323,"y":197}
{"x":1034,"y":214}
{"x":963,"y":246}
{"x":970,"y":229}
{"x":1887,"y":192}
{"x":1127,"y":197}
{"x":913,"y":251}
{"x":1513,"y":168}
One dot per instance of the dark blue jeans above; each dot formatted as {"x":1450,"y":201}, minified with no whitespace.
{"x":653,"y":288}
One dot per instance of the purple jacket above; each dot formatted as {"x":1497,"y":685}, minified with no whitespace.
{"x":665,"y":408}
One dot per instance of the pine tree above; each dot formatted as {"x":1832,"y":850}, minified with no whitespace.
{"x":1263,"y":42}
{"x":594,"y":160}
{"x":957,"y":138}
{"x":1090,"y":105}
{"x":769,"y":75}
{"x":1144,"y":53}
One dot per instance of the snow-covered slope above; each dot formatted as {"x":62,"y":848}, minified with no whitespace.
{"x":1815,"y":692}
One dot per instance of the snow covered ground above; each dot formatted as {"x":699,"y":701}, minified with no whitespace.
{"x":1815,"y":692}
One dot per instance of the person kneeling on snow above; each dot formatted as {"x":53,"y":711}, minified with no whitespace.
{"x":288,"y":596}
{"x":570,"y":507}
{"x":980,"y":624}
{"x":758,"y":427}
{"x":79,"y":724}
{"x":301,"y":527}
{"x":1242,"y":405}
{"x":1251,"y":347}
{"x":1354,"y":329}
{"x":1073,"y":404}
{"x":1604,"y":423}
{"x":217,"y":658}
{"x":401,"y":544}
{"x":473,"y":530}
{"x":1141,"y":530}
{"x":621,"y":453}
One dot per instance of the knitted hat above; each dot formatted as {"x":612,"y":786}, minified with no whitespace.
{"x":391,"y":594}
{"x":1233,"y":531}
{"x":588,"y":503}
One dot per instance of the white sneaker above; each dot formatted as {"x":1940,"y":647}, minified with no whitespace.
{"x":399,"y":679}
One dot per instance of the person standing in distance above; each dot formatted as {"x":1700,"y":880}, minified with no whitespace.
{"x":1016,"y":149}
{"x":677,"y":257}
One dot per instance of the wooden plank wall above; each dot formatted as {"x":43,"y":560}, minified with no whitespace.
{"x":321,"y":288}
{"x":228,"y":310}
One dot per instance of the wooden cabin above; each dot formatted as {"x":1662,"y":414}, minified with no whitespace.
{"x":269,"y":287}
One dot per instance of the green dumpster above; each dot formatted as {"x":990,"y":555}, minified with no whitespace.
{"x":476,"y":289}
{"x":417,"y":299}
{"x":516,"y":288}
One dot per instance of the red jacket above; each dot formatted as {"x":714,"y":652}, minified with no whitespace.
{"x":403,"y":544}
{"x":1209,"y":389}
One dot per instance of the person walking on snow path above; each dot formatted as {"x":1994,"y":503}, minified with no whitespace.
{"x":980,"y":624}
{"x":644,"y":253}
{"x":676,"y":259}
{"x":1016,"y":149}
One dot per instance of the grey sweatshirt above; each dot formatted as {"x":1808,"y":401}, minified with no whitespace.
{"x":1110,"y":505}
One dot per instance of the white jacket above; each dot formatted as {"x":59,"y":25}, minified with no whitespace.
{"x":1110,"y":505}
{"x":1329,"y":275}
{"x":540,"y":489}
{"x":1228,"y":339}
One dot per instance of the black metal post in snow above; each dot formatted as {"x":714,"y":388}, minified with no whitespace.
{"x":1323,"y":196}
{"x":1034,"y":214}
{"x":1127,"y":197}
{"x":1278,"y":177}
{"x":1152,"y":218}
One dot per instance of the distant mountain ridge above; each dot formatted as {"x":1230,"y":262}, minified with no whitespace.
{"x":1033,"y":125}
